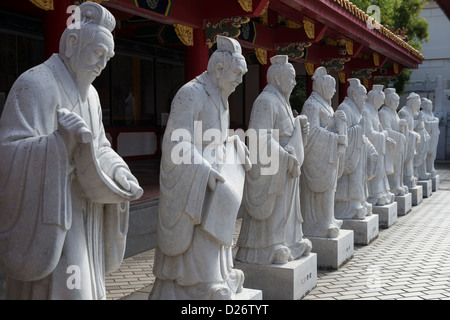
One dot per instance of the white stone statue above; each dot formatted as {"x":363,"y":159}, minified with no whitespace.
{"x":201,"y":185}
{"x":432,"y":126}
{"x":420,"y":164}
{"x":65,"y":193}
{"x":378,"y":186}
{"x":360,"y":158}
{"x":271,"y":230}
{"x":413,"y":138}
{"x":397,"y":130}
{"x":323,"y":162}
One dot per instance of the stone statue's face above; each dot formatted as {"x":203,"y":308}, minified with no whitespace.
{"x":328,"y":87}
{"x":415,"y":104}
{"x":287,"y":79}
{"x":92,"y":58}
{"x":230,"y":78}
{"x":427,"y":106}
{"x":378,"y":100}
{"x":393,"y":101}
{"x":360,"y":96}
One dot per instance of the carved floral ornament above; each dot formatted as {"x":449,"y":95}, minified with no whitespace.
{"x":246,"y":5}
{"x":229,"y":27}
{"x":261,"y":55}
{"x":185,"y":34}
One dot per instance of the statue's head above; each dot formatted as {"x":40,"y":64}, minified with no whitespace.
{"x":392,"y":99}
{"x":323,"y":83}
{"x":357,"y":92}
{"x":376,"y":96}
{"x":281,"y":74}
{"x":413,"y":102}
{"x":427,"y":105}
{"x":227,"y":65}
{"x":86,"y":47}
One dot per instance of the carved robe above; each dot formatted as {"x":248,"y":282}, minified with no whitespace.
{"x":412,"y":139}
{"x":271,"y":203}
{"x":351,"y":193}
{"x":195,"y":224}
{"x":432,"y":127}
{"x":49,"y":228}
{"x":378,"y":186}
{"x":390,"y":121}
{"x":320,"y":170}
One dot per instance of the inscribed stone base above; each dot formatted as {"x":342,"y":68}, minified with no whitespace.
{"x":249,"y":294}
{"x":404,"y":204}
{"x":417,"y":195}
{"x":365,"y":230}
{"x":332,"y":253}
{"x":387,"y":214}
{"x":426,"y":187}
{"x":435,"y":183}
{"x":289,"y":281}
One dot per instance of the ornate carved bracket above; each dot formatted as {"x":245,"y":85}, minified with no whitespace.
{"x":185,"y":34}
{"x":43,"y":4}
{"x":309,"y":67}
{"x":261,"y":55}
{"x":309,"y":28}
{"x":246,"y":5}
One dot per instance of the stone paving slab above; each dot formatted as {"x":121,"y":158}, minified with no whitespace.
{"x":410,"y":260}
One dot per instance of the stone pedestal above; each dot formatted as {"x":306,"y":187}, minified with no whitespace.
{"x":249,"y":294}
{"x":404,"y":204}
{"x":332,"y":253}
{"x":435,"y":183}
{"x":289,"y":281}
{"x":387,"y":214}
{"x":426,"y":187}
{"x":417,"y":195}
{"x":365,"y":230}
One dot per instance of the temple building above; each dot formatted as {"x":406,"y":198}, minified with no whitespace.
{"x":162,"y":44}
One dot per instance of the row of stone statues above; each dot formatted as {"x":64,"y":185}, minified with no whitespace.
{"x":65,"y":193}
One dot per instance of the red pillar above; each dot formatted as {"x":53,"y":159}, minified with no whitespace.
{"x":263,"y":71}
{"x":55,"y":23}
{"x":196,"y":57}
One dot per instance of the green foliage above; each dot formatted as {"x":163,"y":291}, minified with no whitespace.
{"x":399,"y":14}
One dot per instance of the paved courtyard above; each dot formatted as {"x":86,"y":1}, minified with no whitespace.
{"x":409,"y":260}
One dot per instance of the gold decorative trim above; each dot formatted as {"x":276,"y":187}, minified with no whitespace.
{"x":246,"y":5}
{"x":309,"y":68}
{"x":291,"y":24}
{"x":342,"y":77}
{"x":261,"y":55}
{"x":395,"y":67}
{"x":366,"y":83}
{"x":264,"y":16}
{"x":376,"y":59}
{"x":349,"y":46}
{"x":43,"y":4}
{"x":185,"y":34}
{"x":309,"y":28}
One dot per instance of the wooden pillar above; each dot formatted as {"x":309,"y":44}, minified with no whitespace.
{"x":263,"y":71}
{"x":55,"y":22}
{"x":196,"y":57}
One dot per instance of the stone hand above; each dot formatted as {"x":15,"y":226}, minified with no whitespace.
{"x":72,"y":128}
{"x":341,"y":115}
{"x":214,"y":176}
{"x":126,"y":180}
{"x":293,"y":165}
